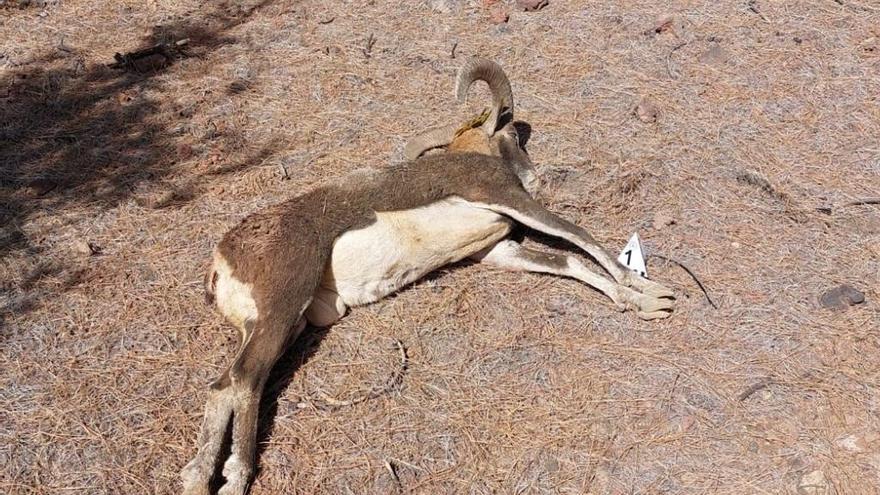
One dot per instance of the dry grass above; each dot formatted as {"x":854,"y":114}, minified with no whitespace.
{"x":517,"y":383}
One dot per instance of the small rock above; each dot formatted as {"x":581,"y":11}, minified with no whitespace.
{"x":239,"y":86}
{"x":646,"y":111}
{"x":841,"y":297}
{"x":531,"y":5}
{"x":443,"y":6}
{"x":662,"y":219}
{"x":857,"y":443}
{"x":735,"y":245}
{"x":497,"y":15}
{"x":851,"y":443}
{"x":86,"y":248}
{"x":715,"y":55}
{"x":813,"y":483}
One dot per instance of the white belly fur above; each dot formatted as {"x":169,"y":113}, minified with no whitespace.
{"x":402,"y":246}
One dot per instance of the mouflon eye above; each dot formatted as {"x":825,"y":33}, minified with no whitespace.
{"x":510,"y":131}
{"x":515,"y":136}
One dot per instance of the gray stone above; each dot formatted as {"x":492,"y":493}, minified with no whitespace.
{"x":841,"y":297}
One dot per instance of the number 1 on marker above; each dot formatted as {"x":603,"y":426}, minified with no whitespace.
{"x":632,"y":257}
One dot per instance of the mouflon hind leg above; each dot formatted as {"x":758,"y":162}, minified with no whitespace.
{"x":511,"y":255}
{"x":518,"y":205}
{"x":196,"y":476}
{"x":247,"y":378}
{"x":236,"y":396}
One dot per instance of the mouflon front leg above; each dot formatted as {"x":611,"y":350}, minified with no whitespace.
{"x":511,"y":255}
{"x":525,"y":210}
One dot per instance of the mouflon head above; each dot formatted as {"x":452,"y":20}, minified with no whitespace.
{"x":491,"y":133}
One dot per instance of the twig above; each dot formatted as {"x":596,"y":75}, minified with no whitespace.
{"x":689,"y":272}
{"x":454,"y":46}
{"x":748,"y":392}
{"x":669,"y":59}
{"x":672,"y":390}
{"x":327,"y":21}
{"x":164,"y":49}
{"x":757,"y":179}
{"x":754,"y":8}
{"x":371,"y":40}
{"x":327,"y":402}
{"x":856,"y":202}
{"x":62,"y":47}
{"x":863,"y":201}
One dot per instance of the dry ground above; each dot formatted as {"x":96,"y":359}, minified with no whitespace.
{"x":517,"y":383}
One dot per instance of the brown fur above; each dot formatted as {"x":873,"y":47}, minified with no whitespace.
{"x":279,"y":257}
{"x":472,"y":140}
{"x":283,"y":250}
{"x":273,"y":263}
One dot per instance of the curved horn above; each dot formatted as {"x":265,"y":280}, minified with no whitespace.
{"x":436,"y":137}
{"x":481,"y":69}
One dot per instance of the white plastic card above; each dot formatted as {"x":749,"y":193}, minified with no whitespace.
{"x":632,"y":256}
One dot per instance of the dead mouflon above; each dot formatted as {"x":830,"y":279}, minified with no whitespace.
{"x":310,"y":258}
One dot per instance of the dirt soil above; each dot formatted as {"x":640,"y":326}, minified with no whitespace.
{"x":733,"y":136}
